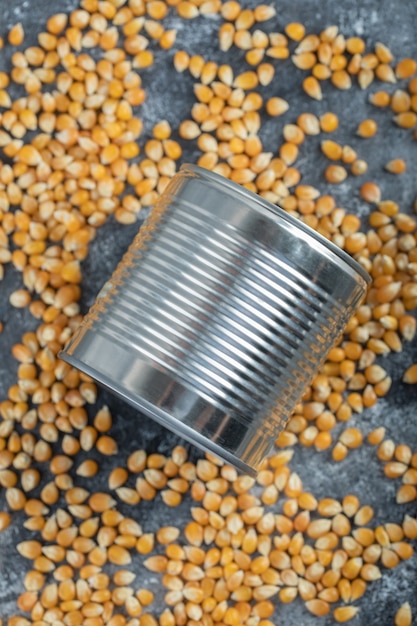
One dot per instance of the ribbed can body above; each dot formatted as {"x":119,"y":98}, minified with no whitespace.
{"x":218,"y":316}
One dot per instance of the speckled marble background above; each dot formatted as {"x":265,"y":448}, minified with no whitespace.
{"x":169,"y":96}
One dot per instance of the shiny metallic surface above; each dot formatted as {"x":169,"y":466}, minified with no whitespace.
{"x":218,"y":316}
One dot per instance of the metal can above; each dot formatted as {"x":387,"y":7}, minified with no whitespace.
{"x":218,"y":316}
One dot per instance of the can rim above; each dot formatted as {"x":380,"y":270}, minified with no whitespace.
{"x":275,"y":211}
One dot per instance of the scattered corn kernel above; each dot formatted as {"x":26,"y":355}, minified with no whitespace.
{"x":63,"y":184}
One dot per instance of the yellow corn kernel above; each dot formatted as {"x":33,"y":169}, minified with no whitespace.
{"x":367,"y":128}
{"x":312,"y":88}
{"x":341,"y":79}
{"x":379,"y":98}
{"x":16,"y":35}
{"x":406,"y":68}
{"x":304,"y":60}
{"x":329,"y":122}
{"x":295,"y":31}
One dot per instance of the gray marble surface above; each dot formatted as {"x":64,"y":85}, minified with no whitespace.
{"x":171,"y":97}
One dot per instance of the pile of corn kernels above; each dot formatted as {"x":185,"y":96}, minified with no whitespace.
{"x":75,"y":154}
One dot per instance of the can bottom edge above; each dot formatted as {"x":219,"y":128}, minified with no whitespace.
{"x":162,"y":417}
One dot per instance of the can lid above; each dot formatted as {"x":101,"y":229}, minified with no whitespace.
{"x":261,"y":204}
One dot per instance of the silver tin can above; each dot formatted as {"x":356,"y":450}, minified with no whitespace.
{"x":218,"y":316}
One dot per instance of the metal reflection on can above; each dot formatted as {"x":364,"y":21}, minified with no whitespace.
{"x":218,"y":316}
